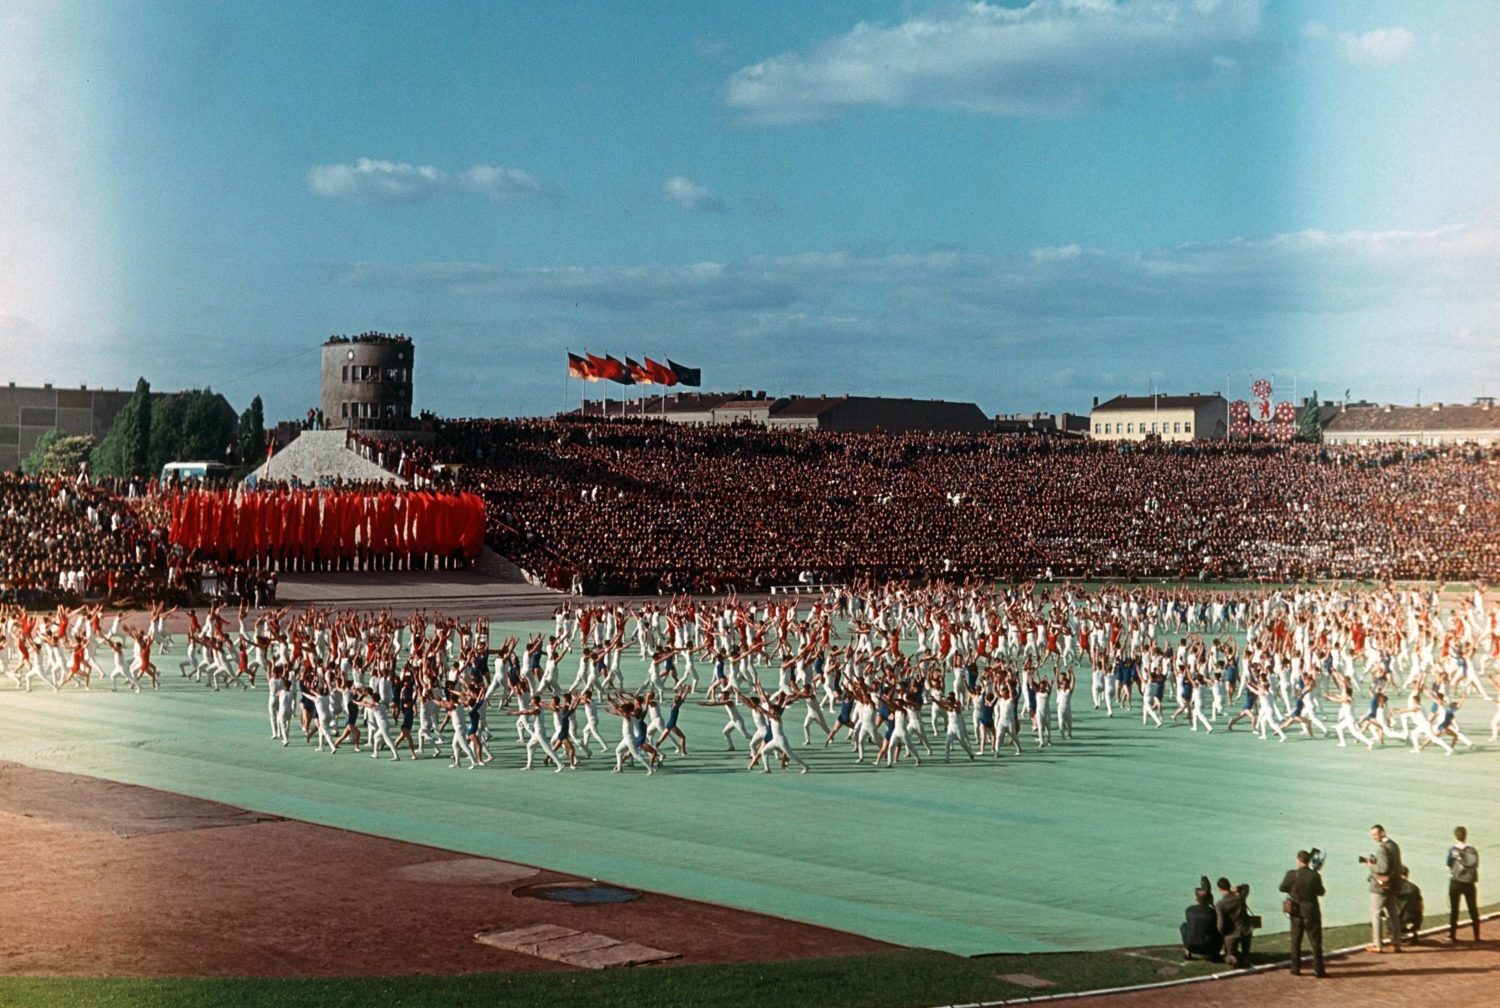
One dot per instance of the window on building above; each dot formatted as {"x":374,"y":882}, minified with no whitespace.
{"x":1176,"y":426}
{"x":1130,"y":428}
{"x":1187,"y":428}
{"x":344,"y":410}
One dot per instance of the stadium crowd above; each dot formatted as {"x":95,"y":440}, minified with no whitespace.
{"x":650,"y":507}
{"x":64,"y":539}
{"x":647,"y":506}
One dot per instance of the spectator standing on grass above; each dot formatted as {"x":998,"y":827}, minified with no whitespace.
{"x":1303,"y":888}
{"x":1463,"y":882}
{"x":1385,"y":888}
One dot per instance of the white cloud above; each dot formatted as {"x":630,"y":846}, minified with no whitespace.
{"x":1048,"y":57}
{"x":1056,"y":253}
{"x":691,"y":196}
{"x":500,"y":183}
{"x":368,"y":179}
{"x":373,"y":181}
{"x":1376,"y":47}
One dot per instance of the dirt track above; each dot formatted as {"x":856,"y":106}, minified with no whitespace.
{"x":108,"y":879}
{"x":113,"y":880}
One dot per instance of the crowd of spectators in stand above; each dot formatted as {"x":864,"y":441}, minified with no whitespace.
{"x":646,"y":506}
{"x":633,"y":505}
{"x":65,"y":541}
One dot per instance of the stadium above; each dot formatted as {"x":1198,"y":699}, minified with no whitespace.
{"x":684,"y":506}
{"x":509,"y":591}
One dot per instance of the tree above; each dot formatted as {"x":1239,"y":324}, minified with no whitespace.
{"x":57,"y":452}
{"x":166,"y":432}
{"x":250,"y":436}
{"x":135,"y":440}
{"x":208,"y":427}
{"x":105,"y":460}
{"x":1308,"y":427}
{"x":126,"y":449}
{"x":192,"y":426}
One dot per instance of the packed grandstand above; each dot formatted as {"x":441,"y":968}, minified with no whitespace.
{"x":632,"y":505}
{"x":645,"y":506}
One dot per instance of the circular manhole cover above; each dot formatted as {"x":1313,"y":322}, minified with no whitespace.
{"x":579,"y":893}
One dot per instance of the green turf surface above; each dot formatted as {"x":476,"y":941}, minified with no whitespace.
{"x":1093,"y":844}
{"x":896,"y":979}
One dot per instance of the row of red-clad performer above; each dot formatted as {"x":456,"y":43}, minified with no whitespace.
{"x":325,"y":525}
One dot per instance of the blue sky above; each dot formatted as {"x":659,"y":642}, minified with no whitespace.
{"x":1024,"y":205}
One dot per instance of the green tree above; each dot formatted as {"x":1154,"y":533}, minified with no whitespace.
{"x":192,"y":426}
{"x":1308,"y":427}
{"x":57,"y":452}
{"x":135,"y":441}
{"x":105,"y":460}
{"x":250,"y":436}
{"x":208,"y":427}
{"x":166,"y":432}
{"x":126,"y":449}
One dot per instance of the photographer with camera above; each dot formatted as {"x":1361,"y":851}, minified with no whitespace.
{"x":1236,"y":923}
{"x":1200,"y":926}
{"x":1385,"y":889}
{"x":1303,"y":886}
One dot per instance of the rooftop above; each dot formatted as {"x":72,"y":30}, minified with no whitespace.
{"x":1192,"y":399}
{"x":1437,"y":416}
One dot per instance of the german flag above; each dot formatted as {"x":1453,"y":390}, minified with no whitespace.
{"x":639,"y":372}
{"x":579,"y":368}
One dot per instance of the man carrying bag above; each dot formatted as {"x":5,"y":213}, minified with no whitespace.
{"x":1463,"y":882}
{"x":1385,"y":888}
{"x":1303,"y":887}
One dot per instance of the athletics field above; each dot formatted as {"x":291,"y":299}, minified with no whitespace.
{"x":1094,"y":843}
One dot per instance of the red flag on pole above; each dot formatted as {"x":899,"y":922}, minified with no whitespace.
{"x":660,"y":373}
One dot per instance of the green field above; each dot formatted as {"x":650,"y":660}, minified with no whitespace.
{"x":1093,"y":844}
{"x":896,"y":979}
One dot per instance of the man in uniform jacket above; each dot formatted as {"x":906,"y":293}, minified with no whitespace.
{"x":1234,"y":924}
{"x":1303,"y":887}
{"x":1385,"y":888}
